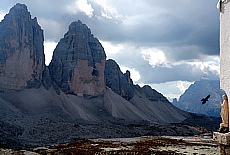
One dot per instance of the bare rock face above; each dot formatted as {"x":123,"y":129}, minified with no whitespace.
{"x":21,"y":50}
{"x":78,"y":62}
{"x":190,"y":100}
{"x":123,"y":85}
{"x":120,"y":83}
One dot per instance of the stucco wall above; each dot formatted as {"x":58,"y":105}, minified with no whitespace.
{"x":225,"y":48}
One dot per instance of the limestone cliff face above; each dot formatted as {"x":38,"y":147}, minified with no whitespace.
{"x":21,"y":50}
{"x":78,"y":62}
{"x":120,"y":83}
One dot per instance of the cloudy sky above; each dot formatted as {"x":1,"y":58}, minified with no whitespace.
{"x":164,"y":43}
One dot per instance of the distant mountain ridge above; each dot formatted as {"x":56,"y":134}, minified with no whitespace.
{"x":190,"y":100}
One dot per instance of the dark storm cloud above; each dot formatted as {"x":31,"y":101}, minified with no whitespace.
{"x":182,"y":71}
{"x":153,"y":23}
{"x":172,"y":24}
{"x":185,"y":72}
{"x":186,"y":30}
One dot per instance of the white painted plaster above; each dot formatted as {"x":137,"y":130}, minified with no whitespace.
{"x":225,"y":48}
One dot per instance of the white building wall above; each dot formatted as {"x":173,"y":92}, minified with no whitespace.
{"x":225,"y":48}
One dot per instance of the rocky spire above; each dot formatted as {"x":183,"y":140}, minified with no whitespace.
{"x":21,"y":50}
{"x":78,"y":62}
{"x":120,"y":83}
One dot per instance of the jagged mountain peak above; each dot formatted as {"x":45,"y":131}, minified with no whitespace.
{"x":19,"y":9}
{"x":190,"y":100}
{"x":78,"y":62}
{"x":79,"y":27}
{"x":120,"y":83}
{"x":21,"y":50}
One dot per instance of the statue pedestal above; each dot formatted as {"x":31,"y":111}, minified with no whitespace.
{"x":222,"y":138}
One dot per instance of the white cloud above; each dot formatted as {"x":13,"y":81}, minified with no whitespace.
{"x":111,"y":48}
{"x":2,"y":14}
{"x":172,"y":89}
{"x":85,"y":7}
{"x":213,"y":62}
{"x":209,"y":64}
{"x":135,"y":75}
{"x":51,"y":28}
{"x":103,"y":14}
{"x":154,"y":56}
{"x":48,"y":50}
{"x":183,"y":85}
{"x":81,"y":6}
{"x":108,"y":10}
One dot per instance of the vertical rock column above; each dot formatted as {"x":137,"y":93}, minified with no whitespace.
{"x":78,"y":62}
{"x":21,"y":50}
{"x":120,"y":83}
